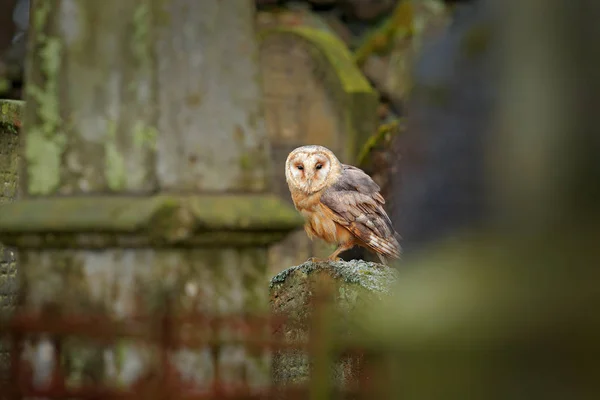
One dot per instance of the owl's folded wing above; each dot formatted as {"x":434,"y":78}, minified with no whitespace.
{"x":356,"y":204}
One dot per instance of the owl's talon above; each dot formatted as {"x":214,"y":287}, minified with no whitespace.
{"x":315,"y":260}
{"x":334,"y":259}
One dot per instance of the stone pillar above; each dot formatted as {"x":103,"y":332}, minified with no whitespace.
{"x":355,"y":285}
{"x":10,"y":123}
{"x":145,"y":179}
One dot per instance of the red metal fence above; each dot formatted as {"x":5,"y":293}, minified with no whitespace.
{"x":166,"y":333}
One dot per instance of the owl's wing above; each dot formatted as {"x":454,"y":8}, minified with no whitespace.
{"x":355,"y":203}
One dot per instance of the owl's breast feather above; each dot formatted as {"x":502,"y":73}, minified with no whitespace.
{"x":321,"y":225}
{"x":318,"y":221}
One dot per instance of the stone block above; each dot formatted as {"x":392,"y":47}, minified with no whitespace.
{"x":355,"y":286}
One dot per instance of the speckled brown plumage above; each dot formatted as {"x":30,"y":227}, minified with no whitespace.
{"x":340,"y":203}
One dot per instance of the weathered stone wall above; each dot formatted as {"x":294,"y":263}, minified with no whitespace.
{"x":145,"y":176}
{"x":10,"y":121}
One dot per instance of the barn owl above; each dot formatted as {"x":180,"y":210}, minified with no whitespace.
{"x":340,"y":203}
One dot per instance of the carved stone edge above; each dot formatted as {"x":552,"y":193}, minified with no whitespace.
{"x":334,"y":50}
{"x":161,"y":220}
{"x":11,"y":115}
{"x":361,"y":99}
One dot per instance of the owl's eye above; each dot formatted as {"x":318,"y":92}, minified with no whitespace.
{"x":300,"y":167}
{"x":319,"y":166}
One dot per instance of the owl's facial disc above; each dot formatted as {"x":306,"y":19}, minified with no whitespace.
{"x":308,"y":168}
{"x":309,"y":171}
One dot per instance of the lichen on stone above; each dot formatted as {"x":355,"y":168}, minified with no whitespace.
{"x":115,"y":163}
{"x":369,"y":275}
{"x":46,"y":141}
{"x":140,"y":45}
{"x":334,"y":50}
{"x":144,"y":135}
{"x":358,"y":288}
{"x":11,"y":115}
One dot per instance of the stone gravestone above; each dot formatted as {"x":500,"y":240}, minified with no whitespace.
{"x":144,"y":183}
{"x":10,"y":122}
{"x":313,"y":94}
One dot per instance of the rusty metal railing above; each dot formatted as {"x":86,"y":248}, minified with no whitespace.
{"x":166,"y":333}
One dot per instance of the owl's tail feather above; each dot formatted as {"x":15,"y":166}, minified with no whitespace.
{"x":388,"y":247}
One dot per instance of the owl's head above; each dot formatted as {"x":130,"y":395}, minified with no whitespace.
{"x":311,"y":168}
